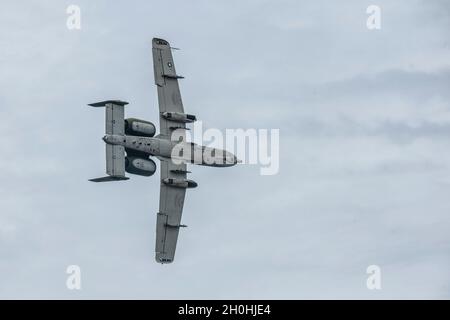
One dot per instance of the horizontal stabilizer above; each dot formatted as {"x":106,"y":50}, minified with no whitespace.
{"x":109,"y":178}
{"x":114,"y":125}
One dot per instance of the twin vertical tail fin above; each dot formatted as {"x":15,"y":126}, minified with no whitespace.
{"x":115,"y":154}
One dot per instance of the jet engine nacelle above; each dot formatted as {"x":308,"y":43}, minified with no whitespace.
{"x":138,"y":127}
{"x":139,"y":166}
{"x":179,"y":117}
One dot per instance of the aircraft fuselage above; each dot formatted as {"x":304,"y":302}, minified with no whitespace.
{"x":182,"y":151}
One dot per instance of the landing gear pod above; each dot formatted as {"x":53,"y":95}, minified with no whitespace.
{"x":179,"y":117}
{"x":180,"y":183}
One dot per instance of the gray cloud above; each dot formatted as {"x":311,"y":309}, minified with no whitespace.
{"x":363,"y":117}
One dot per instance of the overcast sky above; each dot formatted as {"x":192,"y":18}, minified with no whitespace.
{"x":364,"y":119}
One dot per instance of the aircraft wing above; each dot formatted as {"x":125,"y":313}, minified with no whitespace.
{"x":166,"y":79}
{"x":170,"y":208}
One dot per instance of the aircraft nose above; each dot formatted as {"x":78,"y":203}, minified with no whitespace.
{"x":104,"y":138}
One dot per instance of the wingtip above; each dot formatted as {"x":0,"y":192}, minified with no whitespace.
{"x":161,"y":258}
{"x":158,"y":42}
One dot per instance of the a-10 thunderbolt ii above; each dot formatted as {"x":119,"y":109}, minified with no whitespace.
{"x":131,"y":142}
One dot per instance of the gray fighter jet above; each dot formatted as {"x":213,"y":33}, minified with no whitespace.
{"x":131,"y":142}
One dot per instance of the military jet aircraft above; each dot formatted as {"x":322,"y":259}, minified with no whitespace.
{"x":130,"y":144}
